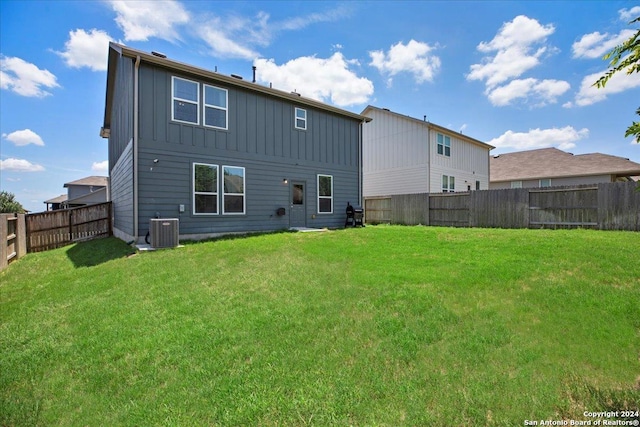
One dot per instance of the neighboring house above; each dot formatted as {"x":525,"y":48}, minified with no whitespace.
{"x":85,"y":191}
{"x":220,"y":153}
{"x":56,"y":203}
{"x":548,"y":167}
{"x":404,"y":155}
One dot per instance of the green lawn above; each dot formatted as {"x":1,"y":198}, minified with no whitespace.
{"x":384,"y":325}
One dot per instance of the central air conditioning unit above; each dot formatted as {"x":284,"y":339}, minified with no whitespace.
{"x":163,"y":232}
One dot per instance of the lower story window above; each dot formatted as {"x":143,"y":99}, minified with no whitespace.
{"x":516,"y":184}
{"x":545,"y":182}
{"x":233,"y":195}
{"x":448,"y":184}
{"x":205,"y":188}
{"x":325,"y":194}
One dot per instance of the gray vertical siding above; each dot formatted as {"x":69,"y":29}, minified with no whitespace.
{"x":122,"y":111}
{"x":121,"y":149}
{"x":261,"y":137}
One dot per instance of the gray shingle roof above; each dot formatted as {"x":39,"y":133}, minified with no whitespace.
{"x":554,"y":163}
{"x":96,"y":181}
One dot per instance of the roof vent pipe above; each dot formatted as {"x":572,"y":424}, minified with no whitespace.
{"x":254,"y":73}
{"x":425,"y":118}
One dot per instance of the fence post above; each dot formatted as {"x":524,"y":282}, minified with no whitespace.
{"x":70,"y":225}
{"x":4,"y":232}
{"x":21,"y":236}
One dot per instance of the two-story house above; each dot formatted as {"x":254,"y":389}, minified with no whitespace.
{"x":405,"y":155}
{"x":221,"y":153}
{"x":81,"y":192}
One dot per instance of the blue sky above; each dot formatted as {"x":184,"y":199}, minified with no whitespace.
{"x":516,"y":75}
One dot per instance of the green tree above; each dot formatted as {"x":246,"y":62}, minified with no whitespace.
{"x":625,"y":56}
{"x":9,"y":204}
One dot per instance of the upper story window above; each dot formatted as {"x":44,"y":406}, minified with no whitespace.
{"x":185,"y":100}
{"x":301,"y":119}
{"x":215,"y":107}
{"x":444,"y":145}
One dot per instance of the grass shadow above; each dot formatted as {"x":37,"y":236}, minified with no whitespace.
{"x":98,"y":251}
{"x":236,"y":236}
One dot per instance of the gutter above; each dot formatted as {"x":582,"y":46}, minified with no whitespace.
{"x":135,"y":146}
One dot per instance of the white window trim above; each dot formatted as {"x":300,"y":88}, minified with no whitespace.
{"x":216,"y":193}
{"x":444,"y":145}
{"x":296,"y":118}
{"x":175,"y":98}
{"x":516,"y":184}
{"x":205,"y":106}
{"x":324,"y":197}
{"x":243,"y":194}
{"x":448,"y":189}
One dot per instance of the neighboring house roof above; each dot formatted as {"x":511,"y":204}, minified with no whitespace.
{"x":96,"y":181}
{"x":437,"y":127}
{"x":554,"y":163}
{"x":60,"y":199}
{"x":115,"y":50}
{"x":89,"y":197}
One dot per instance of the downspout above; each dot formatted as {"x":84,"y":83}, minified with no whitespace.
{"x":429,"y":165}
{"x":360,"y":177}
{"x":135,"y":148}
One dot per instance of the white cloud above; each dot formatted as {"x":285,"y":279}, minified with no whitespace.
{"x":19,"y":165}
{"x":589,"y":94}
{"x":414,"y":57}
{"x":519,"y":46}
{"x":87,"y":49}
{"x":562,"y":138}
{"x":222,"y":41}
{"x":322,"y":79}
{"x":595,"y":45}
{"x":25,"y":78}
{"x":300,"y":22}
{"x":629,"y":14}
{"x":542,"y":91}
{"x":513,"y":45}
{"x":141,"y":20}
{"x":238,"y":36}
{"x":24,"y":137}
{"x":100,"y":166}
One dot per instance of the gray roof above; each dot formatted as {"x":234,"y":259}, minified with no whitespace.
{"x":429,"y":124}
{"x":61,"y":198}
{"x":554,"y":163}
{"x":95,"y":181}
{"x":116,"y":50}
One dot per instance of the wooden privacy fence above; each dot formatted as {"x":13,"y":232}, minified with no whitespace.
{"x":53,"y":229}
{"x":607,"y":206}
{"x":13,"y":244}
